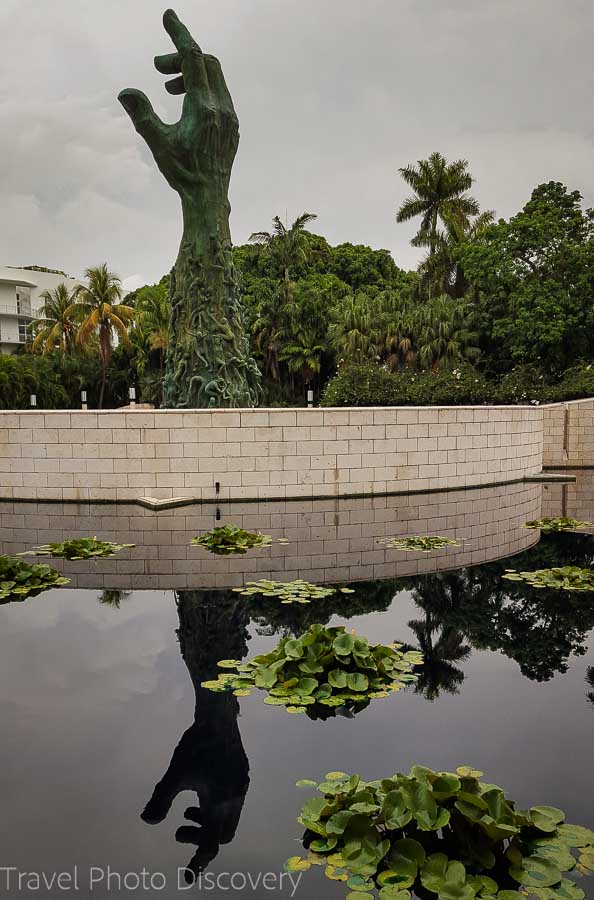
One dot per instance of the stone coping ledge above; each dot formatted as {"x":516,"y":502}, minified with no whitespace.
{"x":144,"y":410}
{"x":154,"y":504}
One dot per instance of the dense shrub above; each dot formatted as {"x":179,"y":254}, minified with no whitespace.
{"x":21,"y":376}
{"x":523,"y":384}
{"x":369,"y":385}
{"x":58,"y":378}
{"x":576,"y":383}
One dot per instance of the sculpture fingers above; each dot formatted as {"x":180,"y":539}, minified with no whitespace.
{"x":217,"y":83}
{"x":144,"y":118}
{"x":177,"y":31}
{"x":176,"y":86}
{"x":168,"y":63}
{"x":190,"y":55}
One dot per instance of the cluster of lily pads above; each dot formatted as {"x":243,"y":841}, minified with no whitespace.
{"x":298,"y":591}
{"x":19,"y":580}
{"x":225,"y":540}
{"x":563,"y":578}
{"x":78,"y":548}
{"x":441,"y":833}
{"x":419,"y":543}
{"x":325,"y":667}
{"x":564,"y":523}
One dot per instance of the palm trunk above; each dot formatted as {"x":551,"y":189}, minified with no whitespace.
{"x":103,"y":382}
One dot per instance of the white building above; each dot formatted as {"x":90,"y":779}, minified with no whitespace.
{"x":20,"y":300}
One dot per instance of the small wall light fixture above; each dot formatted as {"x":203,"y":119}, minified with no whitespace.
{"x":83,"y":400}
{"x":33,"y":400}
{"x":132,"y":395}
{"x":310,"y":398}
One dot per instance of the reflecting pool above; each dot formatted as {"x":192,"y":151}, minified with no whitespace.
{"x":115,"y":758}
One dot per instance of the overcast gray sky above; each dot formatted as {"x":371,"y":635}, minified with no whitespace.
{"x":332,"y":96}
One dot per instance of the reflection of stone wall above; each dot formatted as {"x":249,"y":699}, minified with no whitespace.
{"x":263,"y":453}
{"x":330,"y":540}
{"x":575,"y":499}
{"x":569,"y":434}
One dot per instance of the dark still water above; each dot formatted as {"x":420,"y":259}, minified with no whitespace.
{"x":110,"y":746}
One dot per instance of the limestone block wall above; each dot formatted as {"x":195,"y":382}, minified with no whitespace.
{"x":569,"y":434}
{"x":263,"y":453}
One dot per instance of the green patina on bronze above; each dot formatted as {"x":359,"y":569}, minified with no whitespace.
{"x":208,"y":362}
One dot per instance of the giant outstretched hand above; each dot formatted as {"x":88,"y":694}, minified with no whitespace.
{"x":208,"y":361}
{"x":201,"y":147}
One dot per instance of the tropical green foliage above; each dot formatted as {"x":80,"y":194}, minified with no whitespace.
{"x":101,"y":313}
{"x":419,"y":543}
{"x":55,"y":328}
{"x":298,"y":591}
{"x":439,"y":197}
{"x":512,"y":298}
{"x":365,"y":385}
{"x":576,"y":382}
{"x":78,"y":548}
{"x":439,"y":833}
{"x":563,"y":523}
{"x":149,"y":337}
{"x":562,"y":578}
{"x":391,"y":329}
{"x":225,"y":540}
{"x":19,"y":580}
{"x":325,"y":667}
{"x":534,"y":278}
{"x":22,"y":376}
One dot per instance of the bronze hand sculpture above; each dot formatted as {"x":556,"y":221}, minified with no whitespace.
{"x":208,"y":361}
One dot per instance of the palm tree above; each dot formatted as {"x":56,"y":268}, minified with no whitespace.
{"x":439,"y":194}
{"x":100,"y":311}
{"x":289,"y":245}
{"x":446,"y":332}
{"x":439,"y":672}
{"x":397,"y":320}
{"x":56,"y":327}
{"x":352,"y":329}
{"x":303,"y":354}
{"x":268,"y":332}
{"x":441,"y":271}
{"x":153,"y":315}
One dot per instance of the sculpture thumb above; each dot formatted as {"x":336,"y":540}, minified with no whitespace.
{"x":139,"y":108}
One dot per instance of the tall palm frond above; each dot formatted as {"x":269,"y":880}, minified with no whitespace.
{"x":446,"y":332}
{"x":439,"y":194}
{"x":55,"y":328}
{"x":353,"y":329}
{"x":440,"y":270}
{"x":100,"y":312}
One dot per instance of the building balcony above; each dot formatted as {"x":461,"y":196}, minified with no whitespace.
{"x":7,"y":310}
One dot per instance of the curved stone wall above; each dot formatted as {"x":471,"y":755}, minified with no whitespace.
{"x":264,"y":454}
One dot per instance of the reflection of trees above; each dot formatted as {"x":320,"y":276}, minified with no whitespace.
{"x":538,"y":628}
{"x":209,"y":759}
{"x":590,"y":683}
{"x":272,"y":617}
{"x":113,"y":597}
{"x":438,"y":672}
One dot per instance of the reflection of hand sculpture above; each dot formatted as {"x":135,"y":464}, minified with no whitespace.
{"x":208,"y":363}
{"x":209,"y":758}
